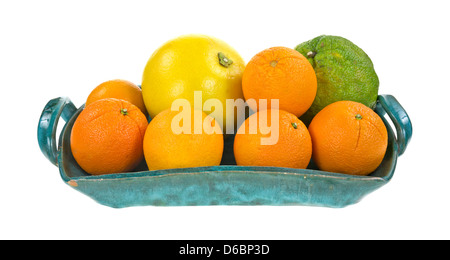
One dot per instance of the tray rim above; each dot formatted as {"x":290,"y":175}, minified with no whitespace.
{"x":222,"y":168}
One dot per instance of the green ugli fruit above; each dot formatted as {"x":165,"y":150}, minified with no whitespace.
{"x":344,"y":72}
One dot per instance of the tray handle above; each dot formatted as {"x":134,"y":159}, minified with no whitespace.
{"x":400,"y":119}
{"x":48,"y":122}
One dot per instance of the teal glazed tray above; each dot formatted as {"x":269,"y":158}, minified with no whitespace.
{"x":227,"y":184}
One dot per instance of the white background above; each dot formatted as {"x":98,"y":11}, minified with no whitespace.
{"x":60,"y":48}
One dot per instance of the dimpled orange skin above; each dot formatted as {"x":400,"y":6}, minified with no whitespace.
{"x":104,"y":140}
{"x":280,"y":73}
{"x":292,"y":150}
{"x":344,"y":142}
{"x":120,"y":89}
{"x":164,"y":149}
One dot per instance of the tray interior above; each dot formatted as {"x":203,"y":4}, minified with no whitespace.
{"x":70,"y":169}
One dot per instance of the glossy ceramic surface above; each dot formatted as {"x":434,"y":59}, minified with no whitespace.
{"x":226,"y":184}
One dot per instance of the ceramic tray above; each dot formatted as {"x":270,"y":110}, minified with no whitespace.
{"x":226,"y":184}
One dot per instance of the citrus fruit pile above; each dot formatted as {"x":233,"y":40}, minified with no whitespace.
{"x":287,"y":107}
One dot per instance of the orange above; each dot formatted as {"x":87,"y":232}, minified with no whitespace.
{"x":120,"y":89}
{"x":107,"y":137}
{"x":170,"y":142}
{"x":280,"y":73}
{"x":288,"y":144}
{"x":348,"y":137}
